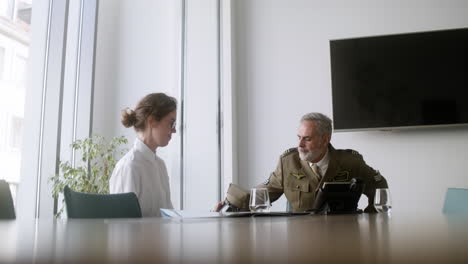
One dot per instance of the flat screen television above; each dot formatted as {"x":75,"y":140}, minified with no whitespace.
{"x":400,"y":81}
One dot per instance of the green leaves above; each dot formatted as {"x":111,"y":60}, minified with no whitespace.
{"x":92,"y":170}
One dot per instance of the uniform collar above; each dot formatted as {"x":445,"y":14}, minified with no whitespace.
{"x":145,"y":150}
{"x":333,"y":166}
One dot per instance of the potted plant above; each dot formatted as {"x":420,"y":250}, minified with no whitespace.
{"x":92,"y":172}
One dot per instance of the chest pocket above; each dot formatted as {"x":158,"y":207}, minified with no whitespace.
{"x":299,"y":193}
{"x":342,"y":176}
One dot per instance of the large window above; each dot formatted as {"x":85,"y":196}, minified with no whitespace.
{"x":42,"y":111}
{"x":15,"y":21}
{"x":47,"y":102}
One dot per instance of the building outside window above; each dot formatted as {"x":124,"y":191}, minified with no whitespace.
{"x":15,"y":23}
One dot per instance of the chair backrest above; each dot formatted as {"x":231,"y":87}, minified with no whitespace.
{"x":456,"y":201}
{"x":7,"y":209}
{"x":88,"y":205}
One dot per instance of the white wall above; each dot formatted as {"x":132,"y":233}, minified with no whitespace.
{"x":105,"y":78}
{"x":138,"y":52}
{"x":201,"y":168}
{"x":283,"y":71}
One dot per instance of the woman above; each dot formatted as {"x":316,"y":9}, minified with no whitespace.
{"x":141,"y":170}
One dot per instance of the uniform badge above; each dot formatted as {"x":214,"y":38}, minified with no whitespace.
{"x":298,"y":175}
{"x":341,"y":176}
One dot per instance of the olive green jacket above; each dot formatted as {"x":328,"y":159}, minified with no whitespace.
{"x":295,"y":178}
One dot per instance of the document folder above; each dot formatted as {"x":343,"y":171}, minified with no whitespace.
{"x":185,"y":214}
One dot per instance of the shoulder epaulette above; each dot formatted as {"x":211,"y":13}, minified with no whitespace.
{"x":354,"y":152}
{"x":288,"y":151}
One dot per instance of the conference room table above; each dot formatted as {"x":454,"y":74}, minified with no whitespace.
{"x":360,"y":238}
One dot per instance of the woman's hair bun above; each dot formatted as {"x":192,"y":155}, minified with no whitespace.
{"x":128,"y":117}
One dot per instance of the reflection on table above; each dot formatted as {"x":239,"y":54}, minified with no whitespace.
{"x":375,"y":238}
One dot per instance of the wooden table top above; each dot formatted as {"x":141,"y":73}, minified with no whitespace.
{"x":365,"y":238}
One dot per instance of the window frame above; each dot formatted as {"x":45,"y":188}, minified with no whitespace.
{"x":48,"y":90}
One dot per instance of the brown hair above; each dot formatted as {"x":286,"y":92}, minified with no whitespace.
{"x":157,"y":105}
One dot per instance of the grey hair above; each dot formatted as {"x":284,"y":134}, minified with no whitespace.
{"x":324,"y":123}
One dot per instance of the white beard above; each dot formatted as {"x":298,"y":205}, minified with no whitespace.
{"x":308,"y":155}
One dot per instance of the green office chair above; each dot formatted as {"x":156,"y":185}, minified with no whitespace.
{"x":88,"y":205}
{"x":7,"y":209}
{"x":456,"y":201}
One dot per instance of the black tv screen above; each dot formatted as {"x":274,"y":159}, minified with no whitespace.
{"x":405,"y":80}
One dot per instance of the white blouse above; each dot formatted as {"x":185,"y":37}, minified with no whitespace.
{"x":141,"y":171}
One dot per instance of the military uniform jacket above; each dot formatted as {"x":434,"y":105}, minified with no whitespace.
{"x":296,"y":179}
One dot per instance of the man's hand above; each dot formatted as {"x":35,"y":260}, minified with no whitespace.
{"x":218,"y":206}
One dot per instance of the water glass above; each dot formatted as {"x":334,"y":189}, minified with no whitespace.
{"x":382,"y":200}
{"x":259,"y":200}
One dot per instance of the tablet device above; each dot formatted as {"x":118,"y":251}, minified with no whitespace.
{"x":339,"y":197}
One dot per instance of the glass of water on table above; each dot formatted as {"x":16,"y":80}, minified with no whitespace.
{"x":382,"y":200}
{"x":259,"y":200}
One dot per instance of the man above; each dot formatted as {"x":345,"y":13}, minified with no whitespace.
{"x":302,"y":171}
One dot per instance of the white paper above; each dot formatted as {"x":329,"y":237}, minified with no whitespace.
{"x":173,"y":213}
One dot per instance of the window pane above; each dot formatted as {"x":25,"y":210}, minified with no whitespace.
{"x":2,"y":61}
{"x":15,"y":22}
{"x":7,"y":8}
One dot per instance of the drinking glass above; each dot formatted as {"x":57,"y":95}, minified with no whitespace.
{"x":259,"y":200}
{"x":382,"y":200}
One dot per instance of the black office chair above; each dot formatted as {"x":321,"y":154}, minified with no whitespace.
{"x":88,"y":205}
{"x":7,"y":209}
